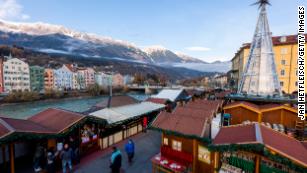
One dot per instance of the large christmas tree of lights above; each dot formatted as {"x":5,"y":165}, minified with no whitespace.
{"x":259,"y":77}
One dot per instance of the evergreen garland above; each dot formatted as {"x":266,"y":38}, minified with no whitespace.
{"x":259,"y":149}
{"x":170,"y":132}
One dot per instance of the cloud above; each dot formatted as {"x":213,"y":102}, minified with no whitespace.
{"x":12,"y":10}
{"x":198,"y":48}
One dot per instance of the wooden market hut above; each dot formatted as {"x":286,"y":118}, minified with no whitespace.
{"x":185,"y":137}
{"x":258,"y":148}
{"x":125,"y":121}
{"x":239,"y":112}
{"x":46,"y":126}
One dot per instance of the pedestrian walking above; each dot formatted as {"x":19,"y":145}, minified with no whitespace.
{"x":116,"y":160}
{"x":129,"y":148}
{"x":66,"y":157}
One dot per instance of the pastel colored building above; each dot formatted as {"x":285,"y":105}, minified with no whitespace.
{"x":117,"y":80}
{"x":37,"y":78}
{"x":49,"y":79}
{"x":16,"y":75}
{"x":63,"y":78}
{"x":88,"y":74}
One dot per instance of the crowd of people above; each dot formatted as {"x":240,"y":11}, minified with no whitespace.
{"x":66,"y":152}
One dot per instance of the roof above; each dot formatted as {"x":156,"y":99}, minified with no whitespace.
{"x":56,"y":119}
{"x":116,"y":101}
{"x":157,"y":100}
{"x":117,"y":114}
{"x":259,"y":108}
{"x":256,"y":133}
{"x":188,"y":119}
{"x":170,"y":94}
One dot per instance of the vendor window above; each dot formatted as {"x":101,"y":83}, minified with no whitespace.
{"x":165,"y":141}
{"x":176,"y":145}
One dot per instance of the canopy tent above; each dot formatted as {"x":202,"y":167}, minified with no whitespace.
{"x":121,"y":113}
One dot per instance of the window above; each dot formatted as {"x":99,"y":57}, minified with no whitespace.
{"x":284,"y":51}
{"x":165,"y":141}
{"x":281,"y":83}
{"x":296,"y":72}
{"x":283,"y":62}
{"x":296,"y":83}
{"x":283,"y":39}
{"x":282,"y":72}
{"x":203,"y":154}
{"x":176,"y":145}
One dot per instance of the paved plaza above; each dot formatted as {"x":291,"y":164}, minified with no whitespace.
{"x":146,"y":146}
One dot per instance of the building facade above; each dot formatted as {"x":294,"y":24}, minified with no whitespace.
{"x":37,"y":78}
{"x":16,"y":75}
{"x":49,"y":79}
{"x":63,"y":78}
{"x":117,"y":80}
{"x":285,"y":50}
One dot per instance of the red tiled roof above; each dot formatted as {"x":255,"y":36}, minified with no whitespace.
{"x":56,"y":119}
{"x":157,"y":100}
{"x":116,"y":101}
{"x":284,"y":144}
{"x":236,"y":135}
{"x":3,"y":129}
{"x":276,"y":141}
{"x":187,"y":119}
{"x":20,"y":125}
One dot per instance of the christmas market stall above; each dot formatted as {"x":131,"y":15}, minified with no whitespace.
{"x":281,"y":117}
{"x":257,"y":148}
{"x":45,"y":130}
{"x":185,"y":138}
{"x":125,"y":121}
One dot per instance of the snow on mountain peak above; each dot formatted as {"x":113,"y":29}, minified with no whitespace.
{"x":40,"y":28}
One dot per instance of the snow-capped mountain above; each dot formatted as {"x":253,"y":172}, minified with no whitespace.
{"x":56,"y":39}
{"x":161,"y":55}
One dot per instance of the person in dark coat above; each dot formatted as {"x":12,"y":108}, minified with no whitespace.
{"x":129,"y":148}
{"x":50,"y":161}
{"x":66,"y":156}
{"x":116,"y":160}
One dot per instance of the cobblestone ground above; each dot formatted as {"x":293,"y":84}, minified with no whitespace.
{"x":146,"y":146}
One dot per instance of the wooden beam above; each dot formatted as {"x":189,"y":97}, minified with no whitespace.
{"x":12,"y":157}
{"x":216,"y":161}
{"x":195,"y":155}
{"x":260,"y":117}
{"x":257,"y":165}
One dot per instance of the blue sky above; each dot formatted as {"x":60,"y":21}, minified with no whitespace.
{"x":205,"y":29}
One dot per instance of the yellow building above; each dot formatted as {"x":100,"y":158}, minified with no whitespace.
{"x":285,"y":49}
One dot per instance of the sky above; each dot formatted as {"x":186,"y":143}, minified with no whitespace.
{"x":206,"y":29}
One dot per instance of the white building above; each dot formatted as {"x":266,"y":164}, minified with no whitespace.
{"x":103,"y":79}
{"x":16,"y":75}
{"x":63,"y":78}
